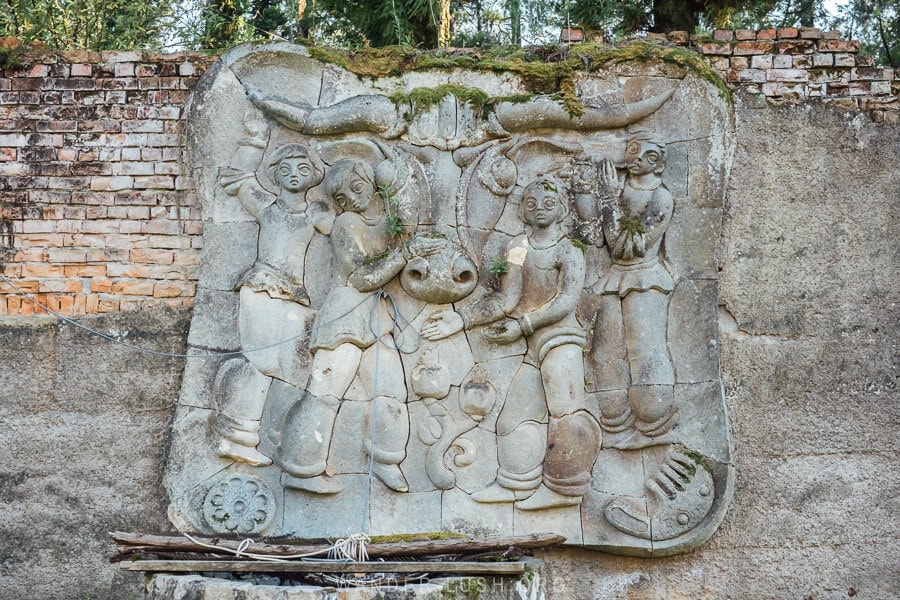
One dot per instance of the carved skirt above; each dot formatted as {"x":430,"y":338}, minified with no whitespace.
{"x":623,"y":279}
{"x":350,"y":316}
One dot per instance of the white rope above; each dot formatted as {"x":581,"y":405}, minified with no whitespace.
{"x":352,"y":548}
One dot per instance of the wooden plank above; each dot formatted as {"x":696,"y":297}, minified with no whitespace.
{"x":309,"y":566}
{"x":127,"y":542}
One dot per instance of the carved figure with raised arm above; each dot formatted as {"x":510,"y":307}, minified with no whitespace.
{"x":547,"y":441}
{"x":273,"y":299}
{"x":630,"y":355}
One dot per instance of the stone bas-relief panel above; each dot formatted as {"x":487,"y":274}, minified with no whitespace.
{"x":464,"y":312}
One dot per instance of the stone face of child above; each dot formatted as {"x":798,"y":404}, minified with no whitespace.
{"x":644,"y":158}
{"x":354,"y":193}
{"x":542,"y":205}
{"x":294,"y":174}
{"x":351,"y":185}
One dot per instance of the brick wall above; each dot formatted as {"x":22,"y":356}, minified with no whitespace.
{"x":96,"y":211}
{"x":791,"y":64}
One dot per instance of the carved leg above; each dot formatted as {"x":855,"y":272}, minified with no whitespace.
{"x":612,"y":374}
{"x":521,"y":440}
{"x":521,"y":457}
{"x":389,"y":427}
{"x":240,"y":394}
{"x":305,"y":441}
{"x":573,"y":442}
{"x":609,"y":354}
{"x":306,"y":435}
{"x":573,"y":438}
{"x":646,"y":316}
{"x":651,"y":395}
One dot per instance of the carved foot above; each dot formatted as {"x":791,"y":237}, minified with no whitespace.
{"x":391,"y":476}
{"x":497,"y":494}
{"x":682,"y":492}
{"x":320,"y":484}
{"x":244,"y":454}
{"x":544,"y":497}
{"x":635,"y":440}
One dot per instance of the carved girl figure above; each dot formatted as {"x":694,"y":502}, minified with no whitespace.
{"x":630,"y":351}
{"x":351,"y":320}
{"x":273,"y":298}
{"x":541,"y":466}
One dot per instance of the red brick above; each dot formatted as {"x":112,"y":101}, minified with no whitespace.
{"x":133,"y":288}
{"x":788,"y":32}
{"x":795,"y":46}
{"x":715,"y":48}
{"x":173,"y":290}
{"x":810,"y":33}
{"x":156,"y":257}
{"x":766,"y":34}
{"x":105,"y":306}
{"x":678,"y":37}
{"x":85,"y":271}
{"x":826,"y":45}
{"x":723,"y":35}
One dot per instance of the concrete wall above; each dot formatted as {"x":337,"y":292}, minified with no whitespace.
{"x":809,"y":349}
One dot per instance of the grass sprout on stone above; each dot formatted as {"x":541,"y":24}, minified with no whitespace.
{"x":392,"y":221}
{"x":499,"y":267}
{"x":632,"y":225}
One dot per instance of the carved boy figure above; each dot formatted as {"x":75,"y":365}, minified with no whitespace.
{"x":541,"y":466}
{"x":630,"y":328}
{"x":273,"y":299}
{"x":352,"y":319}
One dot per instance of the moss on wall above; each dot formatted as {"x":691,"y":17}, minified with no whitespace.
{"x":544,"y":70}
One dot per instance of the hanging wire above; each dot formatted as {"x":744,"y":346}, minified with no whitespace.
{"x":22,"y":294}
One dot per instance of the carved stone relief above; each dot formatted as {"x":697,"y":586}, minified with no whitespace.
{"x":472,"y":318}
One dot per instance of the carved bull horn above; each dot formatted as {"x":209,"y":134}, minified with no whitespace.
{"x":544,"y":112}
{"x":378,"y":114}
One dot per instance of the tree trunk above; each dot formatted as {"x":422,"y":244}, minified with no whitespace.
{"x":515,"y":20}
{"x":675,"y":15}
{"x":444,"y":25}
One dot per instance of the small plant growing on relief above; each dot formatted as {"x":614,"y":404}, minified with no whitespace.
{"x":392,"y":221}
{"x":632,"y":225}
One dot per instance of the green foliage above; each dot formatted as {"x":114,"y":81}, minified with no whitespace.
{"x":422,"y":98}
{"x":632,"y":225}
{"x":499,"y":267}
{"x":876,"y":24}
{"x":87,"y":24}
{"x":393,"y":223}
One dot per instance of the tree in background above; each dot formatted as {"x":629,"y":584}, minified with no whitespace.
{"x":216,"y":24}
{"x":89,"y":24}
{"x":876,"y":24}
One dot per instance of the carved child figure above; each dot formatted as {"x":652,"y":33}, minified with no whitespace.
{"x":273,"y":299}
{"x":353,"y":318}
{"x":630,"y":356}
{"x":541,"y":466}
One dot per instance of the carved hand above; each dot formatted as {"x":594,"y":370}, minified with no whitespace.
{"x":506,"y":332}
{"x":441,"y":325}
{"x":608,"y":180}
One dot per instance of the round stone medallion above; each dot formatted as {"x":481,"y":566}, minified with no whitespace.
{"x":239,"y":504}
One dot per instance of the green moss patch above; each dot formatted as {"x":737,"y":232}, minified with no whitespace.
{"x":544,"y":70}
